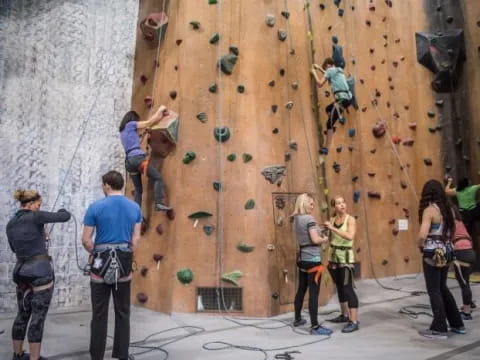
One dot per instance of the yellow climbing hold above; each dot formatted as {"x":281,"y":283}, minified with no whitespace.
{"x":325,"y":191}
{"x":310,"y":36}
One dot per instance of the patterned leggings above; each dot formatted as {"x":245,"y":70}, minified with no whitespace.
{"x":33,"y":307}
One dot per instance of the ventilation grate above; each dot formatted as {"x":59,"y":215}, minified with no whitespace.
{"x":219,"y":299}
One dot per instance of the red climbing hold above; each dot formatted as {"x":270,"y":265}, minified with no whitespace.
{"x":152,"y":26}
{"x":391,"y":221}
{"x":396,"y":140}
{"x":403,"y":184}
{"x":157,"y":257}
{"x":171,"y":214}
{"x":148,"y":101}
{"x":159,"y":229}
{"x":395,"y":231}
{"x":178,"y":42}
{"x":144,"y":271}
{"x":143,"y":79}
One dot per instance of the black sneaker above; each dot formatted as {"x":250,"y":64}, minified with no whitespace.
{"x":299,"y":322}
{"x":22,"y":356}
{"x":162,"y":207}
{"x":473,"y":305}
{"x":351,"y":327}
{"x":466,"y":316}
{"x":340,"y":319}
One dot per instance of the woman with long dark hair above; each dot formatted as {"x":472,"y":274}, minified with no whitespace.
{"x":33,"y":272}
{"x":308,"y":262}
{"x":437,"y":226}
{"x":136,"y":161}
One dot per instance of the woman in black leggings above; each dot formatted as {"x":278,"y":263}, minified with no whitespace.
{"x":33,"y":272}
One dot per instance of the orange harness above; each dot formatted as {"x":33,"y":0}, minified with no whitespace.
{"x":144,"y":166}
{"x":318,"y":270}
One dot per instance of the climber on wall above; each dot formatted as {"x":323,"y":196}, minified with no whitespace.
{"x":136,"y":161}
{"x":341,"y":93}
{"x":33,"y":273}
{"x":466,"y":195}
{"x":340,"y":263}
{"x":308,"y":262}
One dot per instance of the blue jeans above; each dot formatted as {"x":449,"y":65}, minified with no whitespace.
{"x":131,"y":165}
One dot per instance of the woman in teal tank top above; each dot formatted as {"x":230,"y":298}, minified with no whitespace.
{"x":340,"y":263}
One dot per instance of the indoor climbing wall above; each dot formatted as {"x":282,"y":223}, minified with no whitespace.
{"x":237,"y":73}
{"x":65,"y":81}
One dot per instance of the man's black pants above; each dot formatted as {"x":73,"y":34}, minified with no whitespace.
{"x":98,"y":327}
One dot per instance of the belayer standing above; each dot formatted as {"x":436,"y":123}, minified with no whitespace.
{"x":341,"y":261}
{"x":309,"y":263}
{"x":33,"y":272}
{"x":466,"y":195}
{"x":136,"y":161}
{"x":341,"y":94}
{"x":117,"y":222}
{"x":437,"y":227}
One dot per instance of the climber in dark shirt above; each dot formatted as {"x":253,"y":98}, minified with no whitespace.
{"x":33,"y":272}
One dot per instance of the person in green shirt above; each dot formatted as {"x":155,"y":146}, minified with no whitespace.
{"x":466,"y":195}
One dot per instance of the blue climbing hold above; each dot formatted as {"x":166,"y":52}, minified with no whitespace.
{"x":356,"y":196}
{"x":351,"y":132}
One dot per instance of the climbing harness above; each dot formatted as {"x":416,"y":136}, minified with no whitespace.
{"x":112,"y":263}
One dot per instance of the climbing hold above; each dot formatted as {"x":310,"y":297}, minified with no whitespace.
{"x":144,"y":271}
{"x":322,"y":6}
{"x":189,"y":157}
{"x":431,"y":114}
{"x":246,"y":157}
{"x":270,"y":20}
{"x":217,"y":185}
{"x":173,"y":94}
{"x":341,"y":12}
{"x":336,"y":167}
{"x":208,"y":229}
{"x":351,"y":132}
{"x":245,"y":248}
{"x":396,"y":140}
{"x":371,"y":174}
{"x":374,"y":195}
{"x":175,"y":67}
{"x":391,"y":221}
{"x":427,"y":161}
{"x":280,"y":203}
{"x":275,"y":131}
{"x":159,"y":229}
{"x":350,"y":148}
{"x":157,"y":258}
{"x":389,"y":3}
{"x":408,"y":142}
{"x":195,"y":25}
{"x":282,"y":72}
{"x":289,"y":105}
{"x":221,"y":134}
{"x":171,"y":214}
{"x":412,"y":125}
{"x":368,"y":23}
{"x":274,"y":108}
{"x":202,"y":117}
{"x":372,"y":67}
{"x":354,"y":179}
{"x":274,"y":174}
{"x":199,"y":215}
{"x":185,"y":276}
{"x":231,"y":157}
{"x":295,"y":85}
{"x":234,"y":50}
{"x":250,"y":204}
{"x":403,"y":184}
{"x":142,"y":298}
{"x":271,"y":83}
{"x":439,"y":103}
{"x":449,"y":19}
{"x":373,"y":151}
{"x":458,"y":142}
{"x":384,"y":262}
{"x":372,"y":51}
{"x":232,"y":277}
{"x":395,"y":231}
{"x":143,"y":79}
{"x":406,"y":259}
{"x":178,"y":42}
{"x":379,"y":129}
{"x":212,"y":2}
{"x":329,"y":27}
{"x":241,"y":89}
{"x":213,"y":88}
{"x":214,"y":38}
{"x":285,"y":14}
{"x":227,"y":62}
{"x":339,"y":149}
{"x":293,"y":145}
{"x":395,"y":63}
{"x":148,"y":101}
{"x":275,"y":296}
{"x":282,"y":35}
{"x":371,"y":7}
{"x":356,"y":196}
{"x":153,"y":26}
{"x":432,"y":130}
{"x":406,"y":212}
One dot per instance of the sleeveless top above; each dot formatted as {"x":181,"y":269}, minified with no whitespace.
{"x":461,"y":239}
{"x":340,"y":251}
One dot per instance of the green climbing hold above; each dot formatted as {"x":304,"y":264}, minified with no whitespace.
{"x":199,"y":215}
{"x":231,"y":157}
{"x":189,"y":157}
{"x":234,"y":50}
{"x":232,"y":277}
{"x":214,"y":39}
{"x":217,"y":185}
{"x":221,"y":134}
{"x":213,"y":88}
{"x":202,"y":117}
{"x":246,"y":157}
{"x":241,"y":89}
{"x":245,"y":247}
{"x":227,"y":62}
{"x":185,"y":276}
{"x":208,"y":229}
{"x":195,"y":25}
{"x":212,"y":2}
{"x":384,"y":262}
{"x":250,"y":204}
{"x":431,"y":114}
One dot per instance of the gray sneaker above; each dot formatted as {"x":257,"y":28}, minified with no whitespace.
{"x":351,"y":327}
{"x":431,"y":334}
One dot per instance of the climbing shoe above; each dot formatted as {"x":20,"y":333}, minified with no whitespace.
{"x":466,"y":316}
{"x":323,"y":151}
{"x":340,"y":319}
{"x":299,"y":322}
{"x":351,"y":327}
{"x":320,"y":330}
{"x":458,"y":330}
{"x":22,"y":356}
{"x":431,"y":334}
{"x":473,"y":305}
{"x":162,"y":207}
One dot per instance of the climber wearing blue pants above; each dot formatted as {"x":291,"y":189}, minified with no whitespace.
{"x":341,"y":93}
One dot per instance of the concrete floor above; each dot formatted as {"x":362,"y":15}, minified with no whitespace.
{"x":384,"y":334}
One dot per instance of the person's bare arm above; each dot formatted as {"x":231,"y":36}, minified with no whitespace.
{"x":87,"y":238}
{"x":136,"y":235}
{"x":154,"y":119}
{"x":351,"y":229}
{"x":425,"y":225}
{"x":449,"y":189}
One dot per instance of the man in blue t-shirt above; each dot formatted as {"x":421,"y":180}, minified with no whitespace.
{"x":116,"y":220}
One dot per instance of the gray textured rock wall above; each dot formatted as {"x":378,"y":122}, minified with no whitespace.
{"x":65,"y":69}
